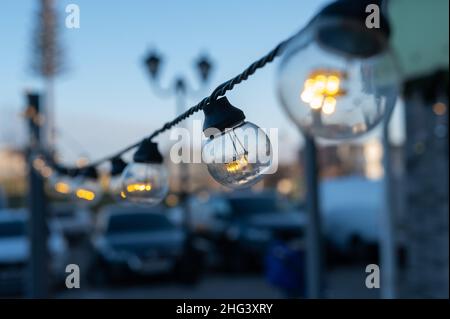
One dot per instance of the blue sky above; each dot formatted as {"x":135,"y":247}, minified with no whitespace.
{"x":104,"y":100}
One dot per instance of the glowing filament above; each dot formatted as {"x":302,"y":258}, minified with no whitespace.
{"x":320,"y":91}
{"x":237,"y":165}
{"x":316,"y":102}
{"x":332,"y":86}
{"x":62,"y":188}
{"x":139,"y":187}
{"x":85,"y":194}
{"x":329,"y":105}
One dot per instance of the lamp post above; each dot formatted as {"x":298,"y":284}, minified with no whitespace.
{"x":180,"y":89}
{"x":37,"y":228}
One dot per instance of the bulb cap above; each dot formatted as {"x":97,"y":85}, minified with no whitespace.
{"x":117,"y":166}
{"x":220,"y":114}
{"x":351,"y":37}
{"x":148,"y":153}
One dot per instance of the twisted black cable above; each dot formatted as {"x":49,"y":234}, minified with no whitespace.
{"x":218,"y":92}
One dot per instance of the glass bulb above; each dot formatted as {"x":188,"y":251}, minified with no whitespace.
{"x":115,"y":188}
{"x":332,"y":95}
{"x":238,"y":156}
{"x":87,"y":191}
{"x":60,"y":185}
{"x":145,"y":183}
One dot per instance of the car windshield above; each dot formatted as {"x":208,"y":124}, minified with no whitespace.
{"x":139,"y":222}
{"x":248,"y":206}
{"x":12,"y":229}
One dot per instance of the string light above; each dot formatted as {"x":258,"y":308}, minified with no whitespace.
{"x":336,"y":77}
{"x":334,"y":80}
{"x":118,"y":165}
{"x":87,"y":188}
{"x":237,"y":153}
{"x":145,"y":180}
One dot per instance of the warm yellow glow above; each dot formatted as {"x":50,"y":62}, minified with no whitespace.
{"x":332,"y":87}
{"x":321,"y":89}
{"x":307,"y":95}
{"x":62,"y":188}
{"x":85,"y":194}
{"x":123,"y":195}
{"x":316,"y":102}
{"x":309,"y":84}
{"x":373,"y":155}
{"x":373,"y":151}
{"x":139,"y":187}
{"x":439,"y":108}
{"x":320,"y":84}
{"x":237,"y":165}
{"x":329,"y":105}
{"x":285,"y":186}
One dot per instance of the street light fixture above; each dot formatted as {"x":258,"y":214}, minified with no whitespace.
{"x":180,"y":89}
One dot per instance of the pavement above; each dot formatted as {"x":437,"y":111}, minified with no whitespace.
{"x":342,"y":282}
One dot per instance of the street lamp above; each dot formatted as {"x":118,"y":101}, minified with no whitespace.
{"x":180,"y":89}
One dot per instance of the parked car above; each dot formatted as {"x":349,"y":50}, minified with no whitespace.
{"x":244,"y":224}
{"x":138,"y":240}
{"x":15,"y":252}
{"x":73,"y":221}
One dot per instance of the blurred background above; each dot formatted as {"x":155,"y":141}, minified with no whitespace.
{"x":382,"y":198}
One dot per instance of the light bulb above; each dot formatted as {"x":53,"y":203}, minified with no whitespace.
{"x":60,"y":185}
{"x":145,"y":183}
{"x":336,"y":78}
{"x":116,"y":188}
{"x":87,"y":190}
{"x":237,"y":153}
{"x":146,"y":179}
{"x":118,"y":165}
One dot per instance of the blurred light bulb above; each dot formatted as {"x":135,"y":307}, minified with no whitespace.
{"x":146,"y":179}
{"x":329,"y":105}
{"x":85,"y":194}
{"x":60,"y":185}
{"x":316,"y":101}
{"x":87,"y":189}
{"x":62,"y":188}
{"x":332,"y":87}
{"x":118,"y":165}
{"x":145,"y":183}
{"x":344,"y":76}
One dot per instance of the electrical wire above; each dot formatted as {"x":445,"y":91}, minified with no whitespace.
{"x":218,"y":92}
